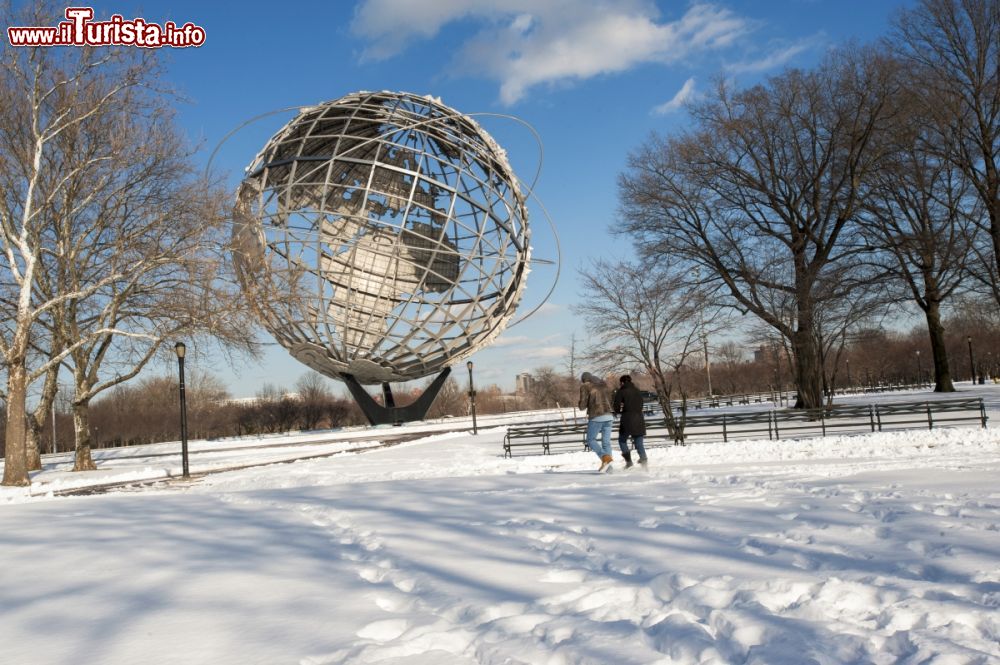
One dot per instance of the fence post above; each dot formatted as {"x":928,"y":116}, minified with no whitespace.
{"x":930,"y":417}
{"x":822,"y":421}
{"x":878,"y":417}
{"x":982,"y":411}
{"x":725,"y":438}
{"x":871,"y":416}
{"x":774,"y":417}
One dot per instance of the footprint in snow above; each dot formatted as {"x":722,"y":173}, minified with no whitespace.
{"x":757,"y":547}
{"x":372,"y":574}
{"x":563,"y":576}
{"x":385,"y":630}
{"x":394,"y":602}
{"x":406,"y":585}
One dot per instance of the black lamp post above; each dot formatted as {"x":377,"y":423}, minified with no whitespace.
{"x":848,"y":362}
{"x":472,"y":398}
{"x":180,"y":349}
{"x":920,"y":369}
{"x":972,"y":361}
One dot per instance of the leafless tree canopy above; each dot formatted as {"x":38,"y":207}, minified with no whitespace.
{"x":111,"y":244}
{"x":951,"y":50}
{"x":764,"y":192}
{"x":643,"y":318}
{"x":921,"y":223}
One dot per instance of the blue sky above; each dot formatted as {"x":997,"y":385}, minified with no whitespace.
{"x":593,"y":77}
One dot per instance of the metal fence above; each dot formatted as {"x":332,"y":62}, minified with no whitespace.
{"x":547,"y":438}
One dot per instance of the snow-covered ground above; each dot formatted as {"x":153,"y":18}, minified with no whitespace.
{"x":437,"y":551}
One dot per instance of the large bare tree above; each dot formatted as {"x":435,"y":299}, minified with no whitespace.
{"x":48,"y":93}
{"x":921,"y":217}
{"x":112,"y":245}
{"x":952,"y":51}
{"x":763,"y":194}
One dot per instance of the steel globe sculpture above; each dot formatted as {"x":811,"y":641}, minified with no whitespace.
{"x":382,"y":237}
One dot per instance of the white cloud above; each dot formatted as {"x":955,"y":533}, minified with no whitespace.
{"x":525,"y":43}
{"x":513,"y":340}
{"x":684,"y":95}
{"x":545,"y":352}
{"x":779,"y":57}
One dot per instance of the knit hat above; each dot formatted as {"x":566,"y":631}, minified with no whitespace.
{"x":587,"y":377}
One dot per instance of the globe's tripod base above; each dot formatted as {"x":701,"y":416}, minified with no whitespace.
{"x":389,"y":413}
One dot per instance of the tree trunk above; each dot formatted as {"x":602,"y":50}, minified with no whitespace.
{"x":664,"y":390}
{"x":808,"y":368}
{"x":994,"y":213}
{"x":33,"y":448}
{"x":15,"y":468}
{"x":939,"y":354}
{"x":36,"y":419}
{"x":81,"y":426}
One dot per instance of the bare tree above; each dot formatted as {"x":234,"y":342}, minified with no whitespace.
{"x":143,"y":216}
{"x":551,"y":389}
{"x":451,"y":401}
{"x":922,"y":219}
{"x":314,"y":398}
{"x":952,"y":49}
{"x":643,"y":318}
{"x":49,"y":94}
{"x":130,"y":244}
{"x":763,"y":194}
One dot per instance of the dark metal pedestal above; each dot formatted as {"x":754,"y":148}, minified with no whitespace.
{"x":389,"y":413}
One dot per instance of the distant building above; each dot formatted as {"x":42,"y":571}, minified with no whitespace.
{"x":523,"y":383}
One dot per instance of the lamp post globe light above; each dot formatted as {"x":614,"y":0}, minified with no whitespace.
{"x":472,"y":398}
{"x":920,"y":369}
{"x":181,"y":350}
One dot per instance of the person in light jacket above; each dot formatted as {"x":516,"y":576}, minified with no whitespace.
{"x":628,"y":405}
{"x":595,"y":400}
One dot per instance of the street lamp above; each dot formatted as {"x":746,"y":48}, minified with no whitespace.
{"x":180,"y":349}
{"x":920,"y":370}
{"x":848,"y":361}
{"x":972,"y":361}
{"x":472,"y":398}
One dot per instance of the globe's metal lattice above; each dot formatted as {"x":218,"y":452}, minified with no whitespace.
{"x":382,"y":235}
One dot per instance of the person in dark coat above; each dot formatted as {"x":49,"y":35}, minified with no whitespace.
{"x":628,"y":405}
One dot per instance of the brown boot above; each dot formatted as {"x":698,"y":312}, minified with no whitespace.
{"x":605,"y":463}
